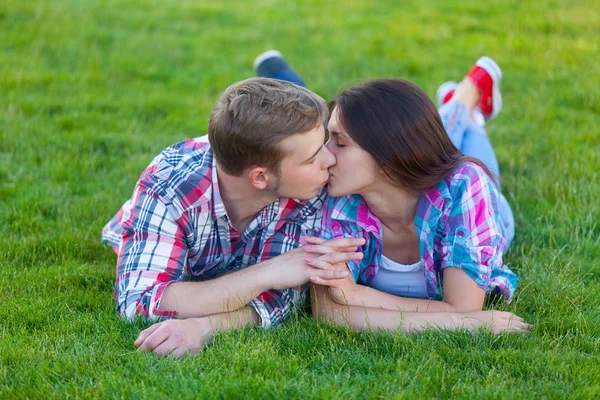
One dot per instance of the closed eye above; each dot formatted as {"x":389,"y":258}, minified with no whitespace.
{"x":335,"y":136}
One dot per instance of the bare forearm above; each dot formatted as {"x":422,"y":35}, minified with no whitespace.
{"x":221,"y":295}
{"x":365,"y":296}
{"x":361,"y":318}
{"x":245,"y":316}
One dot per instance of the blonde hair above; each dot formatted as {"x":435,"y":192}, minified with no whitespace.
{"x":254,"y":115}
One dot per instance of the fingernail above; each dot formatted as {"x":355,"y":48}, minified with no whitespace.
{"x":308,"y":260}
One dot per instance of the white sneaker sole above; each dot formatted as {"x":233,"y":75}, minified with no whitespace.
{"x":443,"y":90}
{"x":265,"y":56}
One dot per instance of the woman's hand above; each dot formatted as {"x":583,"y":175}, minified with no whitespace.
{"x":495,"y":321}
{"x":342,"y":291}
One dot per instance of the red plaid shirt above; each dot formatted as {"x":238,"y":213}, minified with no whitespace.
{"x":175,"y":227}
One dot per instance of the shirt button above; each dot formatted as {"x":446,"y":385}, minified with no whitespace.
{"x":337,"y":228}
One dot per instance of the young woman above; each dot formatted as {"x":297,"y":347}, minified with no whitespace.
{"x":435,"y":222}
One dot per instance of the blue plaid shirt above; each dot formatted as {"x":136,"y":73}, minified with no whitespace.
{"x":457,"y":224}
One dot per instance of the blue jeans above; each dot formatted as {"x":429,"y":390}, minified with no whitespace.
{"x":472,"y":140}
{"x":469,"y":138}
{"x":278,"y":68}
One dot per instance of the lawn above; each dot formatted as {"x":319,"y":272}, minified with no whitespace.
{"x":91,"y":91}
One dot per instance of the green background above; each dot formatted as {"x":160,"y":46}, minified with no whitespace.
{"x":91,"y":91}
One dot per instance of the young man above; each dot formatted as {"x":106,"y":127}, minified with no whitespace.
{"x":211,"y":232}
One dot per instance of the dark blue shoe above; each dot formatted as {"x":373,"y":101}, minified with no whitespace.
{"x":271,"y":64}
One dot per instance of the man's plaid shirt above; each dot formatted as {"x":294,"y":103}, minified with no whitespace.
{"x":175,"y":227}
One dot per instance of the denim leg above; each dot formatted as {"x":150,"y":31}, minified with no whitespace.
{"x":278,"y":68}
{"x":469,"y":138}
{"x":506,"y":220}
{"x":455,"y":118}
{"x":472,"y":140}
{"x":477,"y":144}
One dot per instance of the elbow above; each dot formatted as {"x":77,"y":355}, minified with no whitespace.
{"x":128,"y":310}
{"x":131,"y":307}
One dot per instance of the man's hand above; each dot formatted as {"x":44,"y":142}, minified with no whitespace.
{"x":295,"y":267}
{"x":343,"y":291}
{"x":176,"y":337}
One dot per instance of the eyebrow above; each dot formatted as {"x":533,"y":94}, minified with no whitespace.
{"x":314,"y":155}
{"x":337,"y":133}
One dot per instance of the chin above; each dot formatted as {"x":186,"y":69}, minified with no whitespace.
{"x":301,"y":196}
{"x":335,"y":189}
{"x":335,"y":192}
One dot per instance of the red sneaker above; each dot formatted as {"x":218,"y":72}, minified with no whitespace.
{"x":445,"y":92}
{"x":486,"y":75}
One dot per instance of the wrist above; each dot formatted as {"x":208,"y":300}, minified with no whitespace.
{"x":261,"y":276}
{"x":245,"y":316}
{"x":202,"y":325}
{"x":354,"y":295}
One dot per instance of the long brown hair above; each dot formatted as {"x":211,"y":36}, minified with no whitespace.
{"x":399,"y":126}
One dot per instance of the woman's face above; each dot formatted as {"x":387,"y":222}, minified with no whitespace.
{"x":355,"y":170}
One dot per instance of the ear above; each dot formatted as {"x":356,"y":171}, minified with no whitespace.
{"x":257,"y":176}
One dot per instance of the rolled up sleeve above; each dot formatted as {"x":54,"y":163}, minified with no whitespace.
{"x":472,"y":240}
{"x":276,"y":306}
{"x":152,"y":254}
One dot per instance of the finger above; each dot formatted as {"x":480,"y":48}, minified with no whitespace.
{"x":345,"y":242}
{"x":335,"y":258}
{"x":314,"y":240}
{"x":324,"y":265}
{"x":155,"y":339}
{"x":181,"y":351}
{"x":145,"y":333}
{"x":322,"y":282}
{"x":524,"y":328}
{"x":323,"y":249}
{"x":347,"y":250}
{"x":166,"y":347}
{"x":516,"y":318}
{"x":320,"y":264}
{"x":326,"y":274}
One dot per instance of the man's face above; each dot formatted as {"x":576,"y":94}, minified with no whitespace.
{"x":304,"y":171}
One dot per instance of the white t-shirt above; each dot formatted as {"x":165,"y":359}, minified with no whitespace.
{"x":400,"y":279}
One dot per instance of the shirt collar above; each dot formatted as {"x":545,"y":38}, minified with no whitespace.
{"x":303,"y":208}
{"x":294,"y":209}
{"x":218,"y":206}
{"x":354,"y":209}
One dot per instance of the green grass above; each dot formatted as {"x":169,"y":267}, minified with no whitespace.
{"x":91,"y":90}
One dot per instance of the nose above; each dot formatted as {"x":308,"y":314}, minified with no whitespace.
{"x":328,"y":157}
